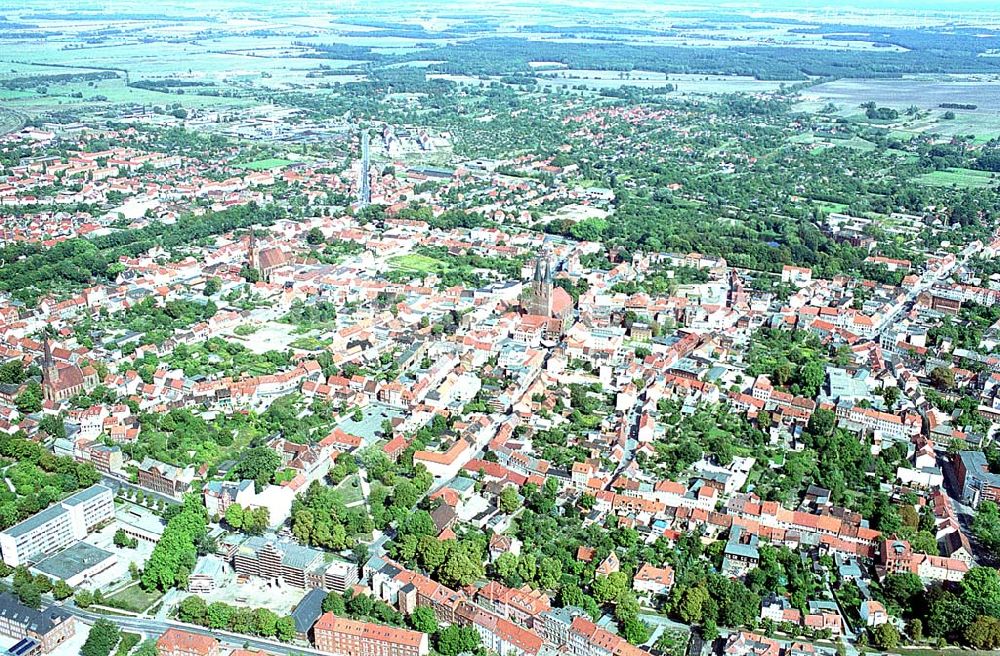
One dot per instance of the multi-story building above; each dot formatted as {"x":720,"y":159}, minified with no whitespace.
{"x":292,"y":564}
{"x":164,"y":479}
{"x":175,"y":642}
{"x":741,"y":553}
{"x":407,"y":590}
{"x":499,"y":635}
{"x":339,"y":635}
{"x":57,"y":526}
{"x":48,"y":627}
{"x":523,"y":605}
{"x":975,"y":480}
{"x":588,"y":639}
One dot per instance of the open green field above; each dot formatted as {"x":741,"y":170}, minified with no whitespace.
{"x":264,"y":164}
{"x":135,"y":598}
{"x":829,"y":206}
{"x":417,"y":263}
{"x":98,"y":94}
{"x":960,"y":178}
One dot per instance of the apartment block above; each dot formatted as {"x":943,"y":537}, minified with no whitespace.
{"x":291,"y":564}
{"x":57,"y":526}
{"x":338,"y":635}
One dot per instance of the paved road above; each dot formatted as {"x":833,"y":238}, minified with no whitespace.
{"x":155,"y":628}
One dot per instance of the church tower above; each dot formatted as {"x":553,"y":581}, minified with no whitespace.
{"x":252,"y":250}
{"x":540,"y":302}
{"x":50,"y":373}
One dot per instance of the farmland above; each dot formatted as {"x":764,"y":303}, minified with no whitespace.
{"x":966,"y":178}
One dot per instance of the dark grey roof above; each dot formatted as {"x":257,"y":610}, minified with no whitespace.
{"x":308,"y":610}
{"x":38,"y":621}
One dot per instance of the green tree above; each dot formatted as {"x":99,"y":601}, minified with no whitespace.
{"x":193,"y":609}
{"x":902,"y":589}
{"x":266,"y":621}
{"x":315,"y":237}
{"x":284,"y":628}
{"x":461,"y":569}
{"x":986,"y":525}
{"x":259,"y":465}
{"x":212,"y":286}
{"x":509,"y":500}
{"x":890,"y":395}
{"x":942,"y":378}
{"x":175,"y":554}
{"x":456,"y":640}
{"x":423,"y":619}
{"x":431,"y":552}
{"x":981,"y":591}
{"x":219,"y":615}
{"x":611,"y":587}
{"x":147,"y":648}
{"x":30,"y":400}
{"x":234,"y":516}
{"x":122,"y":540}
{"x":84,"y":599}
{"x":30,"y":595}
{"x":61,"y":590}
{"x":983,"y":633}
{"x":102,"y":638}
{"x":692,"y":602}
{"x":885,"y":636}
{"x":334,"y":603}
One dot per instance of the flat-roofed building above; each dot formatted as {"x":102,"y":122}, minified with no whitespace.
{"x":77,"y":564}
{"x":292,"y":564}
{"x":57,"y":526}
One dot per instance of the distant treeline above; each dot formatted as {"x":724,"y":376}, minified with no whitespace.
{"x":511,"y":56}
{"x":605,"y":30}
{"x":339,"y":51}
{"x":32,"y":81}
{"x":25,"y":35}
{"x":923,"y":40}
{"x":11,"y":25}
{"x":158,"y":85}
{"x":112,"y":17}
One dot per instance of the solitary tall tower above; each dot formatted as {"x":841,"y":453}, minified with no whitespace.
{"x":364,"y":181}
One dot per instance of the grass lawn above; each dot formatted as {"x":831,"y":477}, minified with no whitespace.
{"x":417,"y":263}
{"x":309,"y":344}
{"x":959,"y":177}
{"x":349,"y":490}
{"x":828,"y":206}
{"x":264,"y":164}
{"x":135,"y":598}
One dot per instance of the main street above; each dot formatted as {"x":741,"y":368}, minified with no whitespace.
{"x":153,"y":628}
